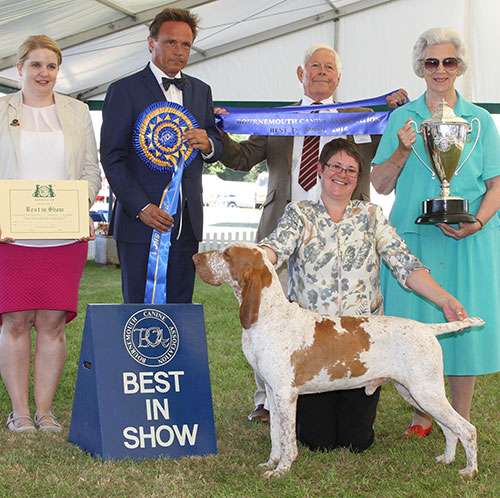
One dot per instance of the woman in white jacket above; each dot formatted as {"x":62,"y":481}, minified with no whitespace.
{"x":43,"y":136}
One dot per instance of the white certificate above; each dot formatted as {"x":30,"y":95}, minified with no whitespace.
{"x":44,"y":209}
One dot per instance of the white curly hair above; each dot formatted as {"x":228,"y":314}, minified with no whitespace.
{"x":308,"y":53}
{"x":438,"y":36}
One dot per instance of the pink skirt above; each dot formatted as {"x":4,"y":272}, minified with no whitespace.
{"x":41,"y":278}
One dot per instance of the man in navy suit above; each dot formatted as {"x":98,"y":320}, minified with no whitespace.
{"x":137,"y":187}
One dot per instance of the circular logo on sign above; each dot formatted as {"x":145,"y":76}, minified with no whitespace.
{"x":159,"y":136}
{"x":151,"y":337}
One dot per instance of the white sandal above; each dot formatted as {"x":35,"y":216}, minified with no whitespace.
{"x":21,"y":423}
{"x":47,"y":423}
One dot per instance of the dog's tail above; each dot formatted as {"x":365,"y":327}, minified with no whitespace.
{"x":444,"y":328}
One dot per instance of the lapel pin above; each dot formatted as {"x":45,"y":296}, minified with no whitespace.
{"x":14,"y":122}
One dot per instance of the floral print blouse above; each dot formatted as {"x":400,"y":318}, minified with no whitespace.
{"x":334,"y":268}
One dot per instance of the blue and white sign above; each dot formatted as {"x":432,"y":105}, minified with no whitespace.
{"x":143,"y":386}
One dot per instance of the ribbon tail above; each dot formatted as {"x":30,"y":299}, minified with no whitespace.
{"x":156,"y":282}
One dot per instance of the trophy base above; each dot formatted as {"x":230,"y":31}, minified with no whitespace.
{"x":445,"y":210}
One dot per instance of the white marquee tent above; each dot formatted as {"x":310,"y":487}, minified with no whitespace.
{"x":248,"y":50}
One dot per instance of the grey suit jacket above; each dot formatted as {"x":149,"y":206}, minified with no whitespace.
{"x":277,"y":151}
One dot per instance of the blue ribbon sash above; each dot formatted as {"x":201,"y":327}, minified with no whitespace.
{"x":298,"y":120}
{"x":158,"y":140}
{"x":156,"y":282}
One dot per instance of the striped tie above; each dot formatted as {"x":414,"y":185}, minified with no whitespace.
{"x":310,"y":154}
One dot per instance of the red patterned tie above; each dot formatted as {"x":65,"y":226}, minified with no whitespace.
{"x":310,"y":154}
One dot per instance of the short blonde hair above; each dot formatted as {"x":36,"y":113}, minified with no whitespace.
{"x":34,"y":42}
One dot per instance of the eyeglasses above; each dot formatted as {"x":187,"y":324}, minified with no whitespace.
{"x":337,"y":168}
{"x":432,"y":64}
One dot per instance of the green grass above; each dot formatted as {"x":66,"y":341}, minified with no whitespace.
{"x":42,"y":465}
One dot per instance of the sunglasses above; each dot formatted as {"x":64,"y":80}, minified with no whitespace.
{"x":337,"y":168}
{"x":449,"y":63}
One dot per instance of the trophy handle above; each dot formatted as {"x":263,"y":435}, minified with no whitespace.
{"x":411,"y":122}
{"x":469,"y":130}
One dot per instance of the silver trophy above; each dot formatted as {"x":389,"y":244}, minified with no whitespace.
{"x":444,"y":137}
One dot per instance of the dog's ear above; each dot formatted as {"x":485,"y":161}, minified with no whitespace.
{"x":228,"y":257}
{"x":246,"y":268}
{"x":250,"y":299}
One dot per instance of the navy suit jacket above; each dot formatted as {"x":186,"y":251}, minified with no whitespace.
{"x":132,"y":181}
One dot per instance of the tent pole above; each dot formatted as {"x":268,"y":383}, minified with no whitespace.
{"x":336,"y":43}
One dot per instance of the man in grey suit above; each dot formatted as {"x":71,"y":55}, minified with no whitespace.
{"x":320,"y":76}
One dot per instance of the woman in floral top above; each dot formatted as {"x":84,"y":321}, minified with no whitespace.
{"x":333,"y":248}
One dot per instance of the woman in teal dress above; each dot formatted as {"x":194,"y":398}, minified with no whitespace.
{"x":463,"y":258}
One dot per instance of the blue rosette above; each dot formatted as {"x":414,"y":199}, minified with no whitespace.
{"x":158,"y":136}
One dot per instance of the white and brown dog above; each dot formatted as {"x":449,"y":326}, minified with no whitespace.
{"x":297,"y":352}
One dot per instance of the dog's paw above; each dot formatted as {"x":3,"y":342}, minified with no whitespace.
{"x":269,"y":463}
{"x":469,"y":473}
{"x":444,"y":459}
{"x":273,"y":473}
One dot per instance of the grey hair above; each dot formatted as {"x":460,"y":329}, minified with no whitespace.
{"x":438,"y":36}
{"x":319,"y":46}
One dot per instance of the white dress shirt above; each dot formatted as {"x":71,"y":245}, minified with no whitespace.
{"x":314,"y":193}
{"x":174,"y":94}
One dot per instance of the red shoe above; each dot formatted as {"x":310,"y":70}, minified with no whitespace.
{"x":418,"y":430}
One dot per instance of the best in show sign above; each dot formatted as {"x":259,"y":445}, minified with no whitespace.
{"x":143,"y":386}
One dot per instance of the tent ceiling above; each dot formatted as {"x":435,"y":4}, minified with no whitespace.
{"x":248,"y":50}
{"x":104,"y":40}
